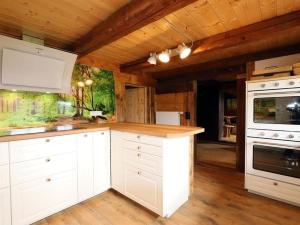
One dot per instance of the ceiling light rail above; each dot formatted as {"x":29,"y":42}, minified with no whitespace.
{"x":182,"y":50}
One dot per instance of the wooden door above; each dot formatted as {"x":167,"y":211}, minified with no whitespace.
{"x":135,"y":108}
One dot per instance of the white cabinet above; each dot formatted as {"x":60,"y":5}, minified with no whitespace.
{"x":34,"y":200}
{"x":85,"y":166}
{"x":93,"y":164}
{"x":152,"y":171}
{"x":5,"y":215}
{"x":144,"y":188}
{"x":101,"y":149}
{"x":4,"y":155}
{"x":117,"y":179}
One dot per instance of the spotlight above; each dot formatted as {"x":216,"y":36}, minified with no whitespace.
{"x":184,"y":51}
{"x":152,"y":59}
{"x":164,"y":56}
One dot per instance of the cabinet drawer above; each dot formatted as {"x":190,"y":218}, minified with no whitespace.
{"x":33,"y":169}
{"x":4,"y":176}
{"x":40,"y":198}
{"x":5,"y":217}
{"x":143,"y":188}
{"x":41,"y":147}
{"x":143,"y":161}
{"x":272,"y":188}
{"x":146,"y":139}
{"x":4,"y":158}
{"x":150,"y":149}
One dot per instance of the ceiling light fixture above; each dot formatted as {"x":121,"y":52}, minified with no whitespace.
{"x":152,"y":59}
{"x":184,"y":51}
{"x":164,"y":56}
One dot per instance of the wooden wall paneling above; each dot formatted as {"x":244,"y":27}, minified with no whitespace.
{"x":241,"y":120}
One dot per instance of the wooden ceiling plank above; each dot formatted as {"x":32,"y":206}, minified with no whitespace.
{"x":131,"y":17}
{"x":268,"y":8}
{"x":244,"y":35}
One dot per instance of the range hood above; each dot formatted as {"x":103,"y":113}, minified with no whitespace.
{"x":31,"y":67}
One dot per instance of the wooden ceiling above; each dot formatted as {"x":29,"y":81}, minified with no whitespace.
{"x":63,"y":22}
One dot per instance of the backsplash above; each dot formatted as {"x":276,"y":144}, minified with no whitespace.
{"x":92,"y":90}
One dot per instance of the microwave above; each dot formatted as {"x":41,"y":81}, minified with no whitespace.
{"x":274,"y":105}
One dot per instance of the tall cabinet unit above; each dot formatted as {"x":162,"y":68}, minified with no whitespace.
{"x":5,"y":211}
{"x":93,"y":164}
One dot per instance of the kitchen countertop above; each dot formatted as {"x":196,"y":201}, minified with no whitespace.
{"x":166,"y":131}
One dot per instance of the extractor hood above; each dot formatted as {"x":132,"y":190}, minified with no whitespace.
{"x":31,"y":67}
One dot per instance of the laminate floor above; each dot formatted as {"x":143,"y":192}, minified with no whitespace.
{"x":218,"y":199}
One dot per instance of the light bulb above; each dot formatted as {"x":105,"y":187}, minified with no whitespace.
{"x":88,"y":82}
{"x":164,"y":56}
{"x":184,"y":51}
{"x":152,"y":59}
{"x":80,"y":84}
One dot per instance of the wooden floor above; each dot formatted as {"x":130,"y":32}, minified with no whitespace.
{"x":218,"y":199}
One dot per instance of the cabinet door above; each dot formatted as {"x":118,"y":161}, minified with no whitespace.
{"x":117,"y":180}
{"x":4,"y":158}
{"x":5,"y":207}
{"x":101,"y":147}
{"x":40,"y":198}
{"x":85,"y":166}
{"x":144,"y":188}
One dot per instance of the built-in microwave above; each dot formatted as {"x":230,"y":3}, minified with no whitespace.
{"x":274,"y":109}
{"x":273,"y":159}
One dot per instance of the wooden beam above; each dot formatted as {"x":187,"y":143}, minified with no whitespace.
{"x":227,"y":62}
{"x":237,"y":37}
{"x":131,"y":17}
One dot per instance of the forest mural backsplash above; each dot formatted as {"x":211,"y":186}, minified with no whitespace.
{"x":92,"y":91}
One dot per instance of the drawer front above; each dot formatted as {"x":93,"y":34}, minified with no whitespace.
{"x":4,"y":176}
{"x":150,"y":149}
{"x":34,"y":169}
{"x":143,"y":161}
{"x":4,"y":157}
{"x":5,"y":217}
{"x":146,"y":139}
{"x":40,"y":198}
{"x":41,"y":147}
{"x":143,"y":188}
{"x":276,"y":189}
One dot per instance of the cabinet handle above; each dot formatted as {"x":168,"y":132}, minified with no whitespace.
{"x":275,"y":183}
{"x":48,"y":160}
{"x":47,"y":140}
{"x":138,"y":154}
{"x":139,"y":147}
{"x":139,"y":172}
{"x":48,"y":179}
{"x":102,"y":133}
{"x":138,"y":136}
{"x":85,"y":135}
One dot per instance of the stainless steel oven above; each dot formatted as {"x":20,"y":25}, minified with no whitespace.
{"x":274,"y":105}
{"x":274,"y":159}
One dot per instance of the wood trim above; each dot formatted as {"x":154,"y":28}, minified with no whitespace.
{"x":133,"y":16}
{"x":241,"y":36}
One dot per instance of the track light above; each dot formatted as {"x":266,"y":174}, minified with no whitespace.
{"x":164,"y":56}
{"x":152,"y":59}
{"x":184,"y":51}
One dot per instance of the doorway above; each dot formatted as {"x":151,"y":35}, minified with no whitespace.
{"x":217,"y":113}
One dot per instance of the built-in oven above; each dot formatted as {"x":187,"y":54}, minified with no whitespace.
{"x":274,"y":109}
{"x":274,"y":159}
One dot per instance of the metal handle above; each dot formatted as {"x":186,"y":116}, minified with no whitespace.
{"x":139,"y":147}
{"x":138,"y":136}
{"x":85,"y":135}
{"x":48,"y":160}
{"x":277,"y":93}
{"x":102,"y":133}
{"x":138,"y":154}
{"x":139,"y":172}
{"x":276,"y":145}
{"x":48,"y":179}
{"x":47,"y":140}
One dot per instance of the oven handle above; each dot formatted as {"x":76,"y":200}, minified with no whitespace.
{"x":276,"y":145}
{"x":277,"y":93}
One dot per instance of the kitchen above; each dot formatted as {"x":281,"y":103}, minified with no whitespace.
{"x":99,"y":114}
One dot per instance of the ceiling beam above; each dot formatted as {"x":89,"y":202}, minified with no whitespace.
{"x":227,"y":62}
{"x":131,"y":17}
{"x":237,"y":37}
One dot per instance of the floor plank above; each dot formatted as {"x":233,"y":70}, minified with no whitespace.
{"x":219,"y":199}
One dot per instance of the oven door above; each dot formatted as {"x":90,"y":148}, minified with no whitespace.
{"x":274,"y":109}
{"x":278,"y":160}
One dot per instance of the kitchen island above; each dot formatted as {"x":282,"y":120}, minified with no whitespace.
{"x":53,"y":168}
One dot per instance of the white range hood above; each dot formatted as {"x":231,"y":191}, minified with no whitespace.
{"x":32,"y":67}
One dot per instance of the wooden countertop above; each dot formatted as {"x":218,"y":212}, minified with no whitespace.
{"x":166,"y":131}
